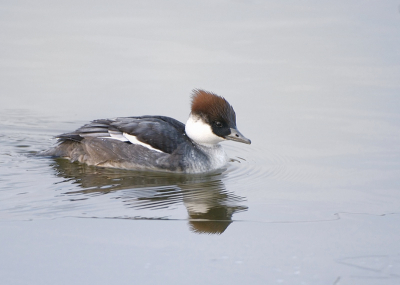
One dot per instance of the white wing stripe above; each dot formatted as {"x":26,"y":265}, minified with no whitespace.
{"x":134,"y":140}
{"x":117,"y":135}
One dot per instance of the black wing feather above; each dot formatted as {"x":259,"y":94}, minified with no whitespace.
{"x":163,"y":133}
{"x":160,"y":132}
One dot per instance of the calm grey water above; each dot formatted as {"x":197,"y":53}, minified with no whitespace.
{"x":314,"y":200}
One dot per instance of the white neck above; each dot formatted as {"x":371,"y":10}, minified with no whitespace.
{"x":201,"y":132}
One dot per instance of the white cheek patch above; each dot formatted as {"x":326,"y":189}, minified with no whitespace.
{"x":200,"y":132}
{"x":134,"y":140}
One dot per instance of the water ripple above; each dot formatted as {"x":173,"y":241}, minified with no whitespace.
{"x":255,"y":165}
{"x":65,"y":189}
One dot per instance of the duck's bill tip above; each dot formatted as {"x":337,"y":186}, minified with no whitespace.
{"x":236,"y":136}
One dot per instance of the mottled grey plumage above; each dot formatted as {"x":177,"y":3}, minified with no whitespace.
{"x":93,"y":145}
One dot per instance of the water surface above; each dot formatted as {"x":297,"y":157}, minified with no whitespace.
{"x":314,"y":199}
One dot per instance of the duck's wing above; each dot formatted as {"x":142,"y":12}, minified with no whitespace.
{"x":159,"y":133}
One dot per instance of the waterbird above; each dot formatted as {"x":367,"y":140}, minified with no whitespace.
{"x":157,"y":143}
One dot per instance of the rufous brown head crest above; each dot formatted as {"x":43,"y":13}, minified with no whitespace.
{"x":215,"y":107}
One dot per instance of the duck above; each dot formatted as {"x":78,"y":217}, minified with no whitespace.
{"x":157,"y":143}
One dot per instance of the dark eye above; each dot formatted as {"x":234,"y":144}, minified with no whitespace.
{"x":218,"y":124}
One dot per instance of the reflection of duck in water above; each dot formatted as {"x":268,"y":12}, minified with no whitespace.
{"x":209,"y":205}
{"x":156,"y":142}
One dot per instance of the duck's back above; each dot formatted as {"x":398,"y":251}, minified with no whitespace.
{"x":146,"y":142}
